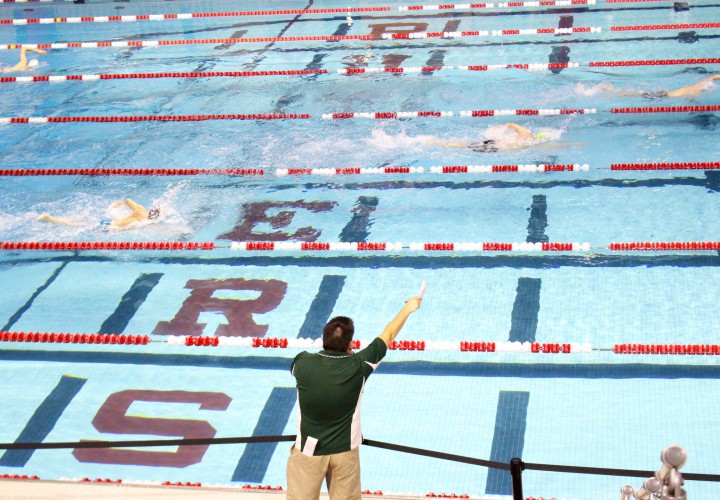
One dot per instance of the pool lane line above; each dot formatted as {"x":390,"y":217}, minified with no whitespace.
{"x":372,"y":115}
{"x":18,"y":314}
{"x":313,"y":38}
{"x":361,"y":70}
{"x":423,"y":368}
{"x":185,"y":16}
{"x":353,"y":171}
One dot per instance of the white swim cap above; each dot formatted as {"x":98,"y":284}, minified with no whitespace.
{"x":33,"y":63}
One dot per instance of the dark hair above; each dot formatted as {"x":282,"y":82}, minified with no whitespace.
{"x":338,"y":333}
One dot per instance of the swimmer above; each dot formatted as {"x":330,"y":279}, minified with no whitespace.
{"x":24,"y":64}
{"x":689,"y":91}
{"x":139,"y":214}
{"x":507,"y":137}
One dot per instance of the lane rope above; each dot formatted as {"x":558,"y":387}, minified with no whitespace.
{"x":149,"y":118}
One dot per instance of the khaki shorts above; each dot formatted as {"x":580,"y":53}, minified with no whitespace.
{"x":341,"y":472}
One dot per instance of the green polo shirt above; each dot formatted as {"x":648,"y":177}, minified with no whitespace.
{"x":330,"y":387}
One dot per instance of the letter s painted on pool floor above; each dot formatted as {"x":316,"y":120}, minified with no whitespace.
{"x":112,"y":419}
{"x":239,"y":313}
{"x":257,"y":213}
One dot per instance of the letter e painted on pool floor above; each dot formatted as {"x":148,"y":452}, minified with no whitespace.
{"x":259,"y":213}
{"x":112,"y":418}
{"x":378,"y":30}
{"x":239,"y":313}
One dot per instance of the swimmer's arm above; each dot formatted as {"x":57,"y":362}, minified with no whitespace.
{"x":394,"y":327}
{"x":135,"y":206}
{"x":521,"y":131}
{"x":447,"y":144}
{"x":45,"y":217}
{"x":693,"y":90}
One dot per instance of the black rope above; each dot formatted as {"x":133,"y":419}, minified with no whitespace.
{"x":368,"y":442}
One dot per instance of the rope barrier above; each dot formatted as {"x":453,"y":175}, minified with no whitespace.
{"x":544,"y":3}
{"x":460,"y":34}
{"x":654,"y":27}
{"x":33,"y":172}
{"x":105,"y":245}
{"x":125,"y":76}
{"x":705,"y":165}
{"x":156,"y":43}
{"x":393,"y":115}
{"x":352,"y":171}
{"x":674,"y":246}
{"x":192,"y":15}
{"x":354,"y":71}
{"x":668,"y":109}
{"x":150,"y":118}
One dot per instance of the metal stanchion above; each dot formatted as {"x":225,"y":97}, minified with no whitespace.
{"x":516,"y":468}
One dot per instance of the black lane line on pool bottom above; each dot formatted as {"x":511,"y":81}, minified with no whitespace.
{"x":18,"y":314}
{"x":43,"y":420}
{"x":130,"y":303}
{"x":508,"y":439}
{"x":358,"y":229}
{"x":255,"y":460}
{"x":322,"y":307}
{"x":524,"y":316}
{"x":609,"y":371}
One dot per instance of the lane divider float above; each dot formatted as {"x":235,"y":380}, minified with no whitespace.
{"x":674,"y":246}
{"x":393,"y":115}
{"x":105,"y":245}
{"x":184,"y":16}
{"x":461,"y":34}
{"x":153,"y":118}
{"x":667,"y":109}
{"x":74,"y":338}
{"x":656,"y":27}
{"x":678,"y":349}
{"x":464,"y":6}
{"x":691,"y":165}
{"x":32,"y":172}
{"x":187,"y":74}
{"x":308,"y":246}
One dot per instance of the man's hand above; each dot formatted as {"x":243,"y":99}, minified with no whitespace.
{"x":413,"y":304}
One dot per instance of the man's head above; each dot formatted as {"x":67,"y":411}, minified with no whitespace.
{"x":338,"y":333}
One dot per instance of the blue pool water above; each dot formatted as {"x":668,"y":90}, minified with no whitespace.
{"x":594,"y":409}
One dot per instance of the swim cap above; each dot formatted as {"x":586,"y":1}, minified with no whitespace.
{"x":32,"y":63}
{"x":154,"y":213}
{"x":539,"y":135}
{"x":105,"y":222}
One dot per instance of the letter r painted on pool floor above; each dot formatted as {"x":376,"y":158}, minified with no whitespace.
{"x":112,"y":418}
{"x":378,"y":30}
{"x":239,"y":313}
{"x":258,"y":213}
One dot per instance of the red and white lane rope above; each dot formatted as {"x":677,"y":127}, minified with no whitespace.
{"x":125,"y":76}
{"x":686,"y":349}
{"x":660,"y":246}
{"x":314,"y":246}
{"x":200,"y":41}
{"x":465,"y":6}
{"x":191,"y":15}
{"x":667,"y":109}
{"x":392,"y":115}
{"x":487,"y":67}
{"x":152,"y":118}
{"x":656,"y":27}
{"x":74,"y":338}
{"x":460,"y":34}
{"x":32,"y":172}
{"x":697,"y":165}
{"x":444,"y":169}
{"x":396,"y":345}
{"x":105,"y":245}
{"x":282,"y":172}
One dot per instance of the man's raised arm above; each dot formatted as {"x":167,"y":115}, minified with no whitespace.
{"x":394,"y":327}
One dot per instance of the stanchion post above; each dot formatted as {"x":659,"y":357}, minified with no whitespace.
{"x":516,"y":468}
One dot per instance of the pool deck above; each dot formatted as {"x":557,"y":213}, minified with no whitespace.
{"x":58,"y":490}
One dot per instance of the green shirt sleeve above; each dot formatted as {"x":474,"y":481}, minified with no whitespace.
{"x":371,"y":356}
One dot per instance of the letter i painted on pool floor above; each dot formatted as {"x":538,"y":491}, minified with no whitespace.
{"x":44,"y":419}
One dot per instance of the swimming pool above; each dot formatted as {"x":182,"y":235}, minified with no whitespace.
{"x":589,"y":407}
